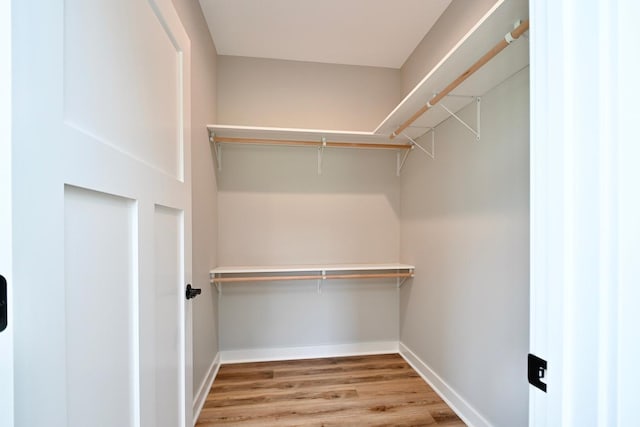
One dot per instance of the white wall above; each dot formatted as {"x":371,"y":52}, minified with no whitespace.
{"x":465,"y":225}
{"x":204,"y":192}
{"x":275,"y":209}
{"x":267,"y":92}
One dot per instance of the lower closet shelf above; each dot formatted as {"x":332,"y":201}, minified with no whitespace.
{"x":318,"y":272}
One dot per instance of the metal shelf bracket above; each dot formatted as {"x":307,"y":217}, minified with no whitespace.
{"x":218,"y":285}
{"x":320,"y":154}
{"x":217,"y":149}
{"x":400,"y":280}
{"x":414,"y":144}
{"x":320,"y":280}
{"x":476,"y":131}
{"x":432,"y":152}
{"x":400,"y":159}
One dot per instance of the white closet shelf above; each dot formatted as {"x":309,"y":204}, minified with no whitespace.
{"x":318,"y":272}
{"x":305,"y":137}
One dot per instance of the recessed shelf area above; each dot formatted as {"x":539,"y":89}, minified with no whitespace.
{"x":319,"y":272}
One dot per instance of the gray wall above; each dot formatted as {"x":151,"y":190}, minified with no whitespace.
{"x":204,"y":192}
{"x":452,"y":25}
{"x":275,"y":209}
{"x":268,"y":92}
{"x":465,"y":225}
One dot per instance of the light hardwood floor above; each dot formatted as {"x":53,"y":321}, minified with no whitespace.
{"x":336,"y":391}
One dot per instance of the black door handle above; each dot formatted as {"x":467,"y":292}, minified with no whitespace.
{"x":192,"y":292}
{"x":3,"y":303}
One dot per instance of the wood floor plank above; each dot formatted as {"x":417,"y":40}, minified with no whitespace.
{"x":362,"y":390}
{"x":313,"y":403}
{"x":337,"y":380}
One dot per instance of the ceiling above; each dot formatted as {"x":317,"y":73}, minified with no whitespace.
{"x":379,"y":33}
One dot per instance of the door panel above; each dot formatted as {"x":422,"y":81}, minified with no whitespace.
{"x":107,"y":77}
{"x":169,"y":340}
{"x":100,"y":308}
{"x":102,"y":96}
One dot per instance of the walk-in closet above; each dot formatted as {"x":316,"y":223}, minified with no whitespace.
{"x":364,"y":210}
{"x":319,"y":212}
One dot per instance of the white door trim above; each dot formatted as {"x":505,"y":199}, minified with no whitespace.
{"x":584,"y":211}
{"x":6,"y":337}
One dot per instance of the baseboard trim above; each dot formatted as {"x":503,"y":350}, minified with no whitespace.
{"x":205,"y":386}
{"x":310,"y":352}
{"x":465,"y":411}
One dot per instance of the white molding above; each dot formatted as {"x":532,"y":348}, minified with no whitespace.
{"x":6,"y":221}
{"x":205,"y":386}
{"x":461,"y":407}
{"x":310,"y":352}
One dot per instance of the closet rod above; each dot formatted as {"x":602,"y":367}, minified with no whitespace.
{"x":291,"y":142}
{"x":311,"y":277}
{"x":508,"y":38}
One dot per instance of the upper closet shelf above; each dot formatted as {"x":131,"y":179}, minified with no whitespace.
{"x":316,"y":138}
{"x":492,"y":28}
{"x":301,"y":137}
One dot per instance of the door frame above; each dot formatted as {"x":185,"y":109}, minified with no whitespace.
{"x":6,"y":337}
{"x":585,"y":235}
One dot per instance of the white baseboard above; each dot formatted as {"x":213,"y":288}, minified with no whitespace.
{"x":311,"y":352}
{"x":465,"y":411}
{"x":203,"y":391}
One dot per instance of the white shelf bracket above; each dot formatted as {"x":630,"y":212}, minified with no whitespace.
{"x":401,"y":280}
{"x":455,"y":116}
{"x":400,"y":161}
{"x":413,"y":143}
{"x":320,"y":280}
{"x":217,"y":149}
{"x":218,"y":285}
{"x":320,"y":154}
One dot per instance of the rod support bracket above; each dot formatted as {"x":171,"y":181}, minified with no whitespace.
{"x":476,"y":131}
{"x":320,"y":280}
{"x":321,"y":148}
{"x":217,"y":149}
{"x":215,"y":283}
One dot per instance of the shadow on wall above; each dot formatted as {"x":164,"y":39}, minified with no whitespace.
{"x":295,"y":170}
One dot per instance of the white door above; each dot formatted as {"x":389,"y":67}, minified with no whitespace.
{"x":6,"y":323}
{"x":585,"y":211}
{"x":101,"y":213}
